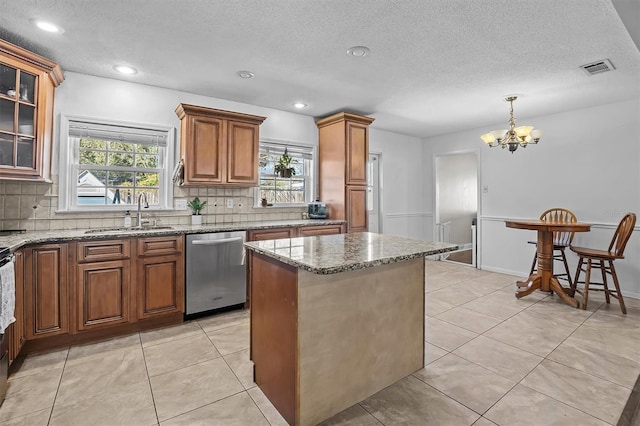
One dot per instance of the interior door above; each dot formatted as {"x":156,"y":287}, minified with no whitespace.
{"x":456,"y":202}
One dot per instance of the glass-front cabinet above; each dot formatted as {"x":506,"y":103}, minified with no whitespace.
{"x":27,"y":84}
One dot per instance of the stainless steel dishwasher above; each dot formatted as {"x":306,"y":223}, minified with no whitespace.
{"x":216,"y":274}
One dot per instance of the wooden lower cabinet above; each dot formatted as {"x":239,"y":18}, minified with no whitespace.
{"x":271,"y":234}
{"x":46,"y":290}
{"x":160,"y":276}
{"x":357,"y":215}
{"x":103,"y":293}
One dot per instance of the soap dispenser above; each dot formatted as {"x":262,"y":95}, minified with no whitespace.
{"x":127,"y":219}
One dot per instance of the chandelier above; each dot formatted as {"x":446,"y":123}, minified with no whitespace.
{"x":515,"y":136}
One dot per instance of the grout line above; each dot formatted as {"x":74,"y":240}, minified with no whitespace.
{"x":64,"y":366}
{"x":146,"y":369}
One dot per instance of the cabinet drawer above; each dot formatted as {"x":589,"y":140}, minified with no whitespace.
{"x":271,"y":234}
{"x":308,"y":231}
{"x":97,"y":251}
{"x":159,"y":246}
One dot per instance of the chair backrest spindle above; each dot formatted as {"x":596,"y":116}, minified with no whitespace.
{"x":561,"y":215}
{"x":622,"y":234}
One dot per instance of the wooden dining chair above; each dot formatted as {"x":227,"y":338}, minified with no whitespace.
{"x":561,"y":240}
{"x":603,"y":259}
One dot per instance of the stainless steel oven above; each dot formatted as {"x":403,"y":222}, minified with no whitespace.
{"x":216,"y":274}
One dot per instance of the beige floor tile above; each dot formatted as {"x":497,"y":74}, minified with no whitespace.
{"x":180,"y":391}
{"x":469,"y":320}
{"x":167,"y":334}
{"x":466,"y":382}
{"x":352,"y":416}
{"x":128,"y":405}
{"x":242,"y":367}
{"x":452,"y":295}
{"x":624,"y":342}
{"x":590,"y":394}
{"x":412,"y":402}
{"x":179,"y":353}
{"x":484,"y":422}
{"x":505,"y":360}
{"x":38,"y":418}
{"x":434,"y":306}
{"x":40,"y":362}
{"x":236,"y":410}
{"x":266,"y":407}
{"x":230,"y":339}
{"x":436,"y":267}
{"x":499,"y":304}
{"x":89,"y":375}
{"x":227,"y":319}
{"x":524,"y":406}
{"x":613,"y":308}
{"x":446,"y":336}
{"x":474,"y":287}
{"x":532,"y":333}
{"x":554,"y":307}
{"x":432,"y":353}
{"x":497,"y":280}
{"x":584,"y":353}
{"x":436,"y":283}
{"x":96,"y":351}
{"x":29,"y":394}
{"x":614,"y":323}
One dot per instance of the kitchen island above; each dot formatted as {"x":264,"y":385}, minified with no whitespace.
{"x":335,"y":319}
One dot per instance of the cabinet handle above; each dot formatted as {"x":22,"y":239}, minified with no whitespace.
{"x":214,"y":242}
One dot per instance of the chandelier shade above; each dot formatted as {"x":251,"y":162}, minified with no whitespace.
{"x":514,"y":136}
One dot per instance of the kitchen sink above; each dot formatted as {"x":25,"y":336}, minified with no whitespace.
{"x":131,"y":228}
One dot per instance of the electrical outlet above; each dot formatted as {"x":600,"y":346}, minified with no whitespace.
{"x":229,"y":203}
{"x":179,"y":204}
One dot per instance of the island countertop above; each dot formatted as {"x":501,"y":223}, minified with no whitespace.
{"x":331,"y":254}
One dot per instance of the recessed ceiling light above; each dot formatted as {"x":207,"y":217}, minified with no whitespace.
{"x":358,"y":51}
{"x":48,"y":26}
{"x":299,"y":105}
{"x":246,"y":74}
{"x":125,"y":69}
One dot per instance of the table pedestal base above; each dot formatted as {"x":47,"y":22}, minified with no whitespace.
{"x":534,"y":282}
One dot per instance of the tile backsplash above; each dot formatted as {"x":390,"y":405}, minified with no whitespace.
{"x":33,"y":206}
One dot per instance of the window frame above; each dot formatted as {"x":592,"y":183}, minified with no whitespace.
{"x":310,"y":179}
{"x":69,"y":166}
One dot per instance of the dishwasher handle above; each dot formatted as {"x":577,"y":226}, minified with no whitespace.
{"x":215,"y":242}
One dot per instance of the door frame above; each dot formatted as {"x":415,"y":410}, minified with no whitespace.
{"x":380,"y":192}
{"x":436,"y":211}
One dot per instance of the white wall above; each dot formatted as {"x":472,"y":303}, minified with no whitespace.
{"x":402,"y":170}
{"x":588,"y":161}
{"x":401,"y":196}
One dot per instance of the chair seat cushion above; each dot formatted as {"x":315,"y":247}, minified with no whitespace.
{"x":594,"y":253}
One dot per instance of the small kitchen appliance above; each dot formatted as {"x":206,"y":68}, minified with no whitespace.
{"x":317,"y":210}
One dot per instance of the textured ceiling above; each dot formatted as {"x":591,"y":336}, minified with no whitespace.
{"x":436,"y":66}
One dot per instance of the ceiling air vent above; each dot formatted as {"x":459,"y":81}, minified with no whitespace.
{"x":598,"y":67}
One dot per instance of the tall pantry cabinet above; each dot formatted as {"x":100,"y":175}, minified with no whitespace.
{"x":343,"y":156}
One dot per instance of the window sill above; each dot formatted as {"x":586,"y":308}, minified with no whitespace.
{"x":280,"y":206}
{"x":118,"y":210}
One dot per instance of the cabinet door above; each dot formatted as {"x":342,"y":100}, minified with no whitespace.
{"x":103,"y":294}
{"x":271,"y":234}
{"x":357,"y":209}
{"x":18,"y":335}
{"x":160,"y":284}
{"x":204,"y":150}
{"x":308,"y":231}
{"x":46,"y":291}
{"x":242,"y":149}
{"x":357,"y":153}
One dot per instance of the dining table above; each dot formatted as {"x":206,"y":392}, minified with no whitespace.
{"x":543,"y":279}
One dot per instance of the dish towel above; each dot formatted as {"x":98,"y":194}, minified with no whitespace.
{"x":7,"y":295}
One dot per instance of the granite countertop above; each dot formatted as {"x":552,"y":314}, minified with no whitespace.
{"x":16,"y":241}
{"x":330,"y":254}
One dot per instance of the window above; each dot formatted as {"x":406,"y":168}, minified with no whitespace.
{"x":283,"y":191}
{"x":107,"y":165}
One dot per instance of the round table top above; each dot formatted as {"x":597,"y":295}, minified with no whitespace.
{"x":542,"y":225}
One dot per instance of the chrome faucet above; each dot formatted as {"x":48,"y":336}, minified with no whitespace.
{"x":146,"y":206}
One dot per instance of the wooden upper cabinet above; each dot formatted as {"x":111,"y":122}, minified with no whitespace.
{"x":27,"y":85}
{"x":343,"y":150}
{"x":218,"y":147}
{"x":357,"y":146}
